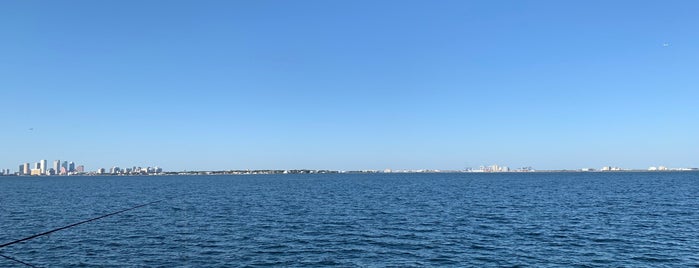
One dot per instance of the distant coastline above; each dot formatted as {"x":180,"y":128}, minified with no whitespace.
{"x":311,"y":171}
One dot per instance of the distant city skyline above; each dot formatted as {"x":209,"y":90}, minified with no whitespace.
{"x":69,"y":168}
{"x":350,"y":85}
{"x":59,"y":167}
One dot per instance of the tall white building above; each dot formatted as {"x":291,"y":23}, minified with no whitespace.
{"x":43,"y":166}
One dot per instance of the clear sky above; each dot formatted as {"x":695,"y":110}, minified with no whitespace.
{"x":350,"y":84}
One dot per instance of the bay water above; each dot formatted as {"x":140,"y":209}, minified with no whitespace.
{"x":625,"y":219}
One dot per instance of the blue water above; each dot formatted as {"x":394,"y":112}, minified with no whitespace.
{"x":535,"y":219}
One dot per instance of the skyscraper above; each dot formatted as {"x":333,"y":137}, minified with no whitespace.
{"x":26,"y":170}
{"x":21,"y":169}
{"x":71,"y":167}
{"x":43,"y":166}
{"x":56,"y":166}
{"x":65,"y":164}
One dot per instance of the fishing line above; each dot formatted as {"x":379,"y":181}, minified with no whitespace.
{"x":63,"y":228}
{"x":76,"y":224}
{"x":19,"y":261}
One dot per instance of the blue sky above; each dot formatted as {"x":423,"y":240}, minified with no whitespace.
{"x":349,"y":84}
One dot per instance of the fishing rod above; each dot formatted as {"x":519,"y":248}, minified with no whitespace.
{"x":66,"y":227}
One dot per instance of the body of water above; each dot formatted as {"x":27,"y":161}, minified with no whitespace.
{"x":357,"y":220}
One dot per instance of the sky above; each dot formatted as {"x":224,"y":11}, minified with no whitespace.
{"x":349,"y":85}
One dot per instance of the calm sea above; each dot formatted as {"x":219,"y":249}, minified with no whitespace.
{"x":401,"y":220}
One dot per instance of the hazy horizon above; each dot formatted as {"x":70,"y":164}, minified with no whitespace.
{"x":219,"y":85}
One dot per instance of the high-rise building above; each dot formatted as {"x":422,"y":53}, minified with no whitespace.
{"x":56,"y":166}
{"x":26,"y":170}
{"x":71,"y":167}
{"x":43,"y":166}
{"x":21,"y":170}
{"x":80,"y":168}
{"x":65,"y":164}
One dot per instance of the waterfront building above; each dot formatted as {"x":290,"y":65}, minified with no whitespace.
{"x":79,"y":169}
{"x":65,"y":164}
{"x":610,"y":168}
{"x":100,"y":171}
{"x":43,"y":166}
{"x":71,"y":167}
{"x":36,"y":172}
{"x":56,"y":166}
{"x":21,"y":170}
{"x":26,"y":170}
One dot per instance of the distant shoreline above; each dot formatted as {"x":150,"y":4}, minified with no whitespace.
{"x":308,"y":172}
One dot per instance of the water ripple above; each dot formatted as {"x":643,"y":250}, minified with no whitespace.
{"x":386,"y":220}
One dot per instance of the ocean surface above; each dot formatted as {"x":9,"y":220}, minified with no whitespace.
{"x":356,"y":220}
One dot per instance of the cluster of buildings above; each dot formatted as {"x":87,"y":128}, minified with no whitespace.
{"x":491,"y":168}
{"x":42,"y":168}
{"x":388,"y":170}
{"x":658,"y":168}
{"x":63,"y":168}
{"x":610,"y":168}
{"x":130,"y":171}
{"x":497,"y":168}
{"x":663,"y":168}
